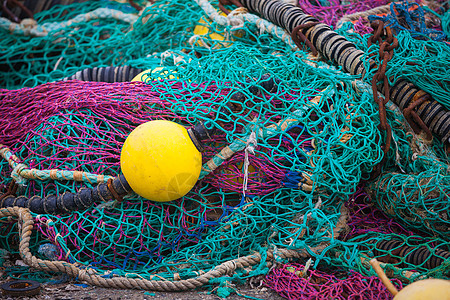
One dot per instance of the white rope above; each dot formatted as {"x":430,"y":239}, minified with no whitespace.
{"x":251,"y":145}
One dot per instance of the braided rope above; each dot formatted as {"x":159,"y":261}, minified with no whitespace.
{"x":44,"y":29}
{"x":22,"y":172}
{"x":26,"y":224}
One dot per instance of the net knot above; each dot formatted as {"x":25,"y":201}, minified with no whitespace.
{"x":15,"y":174}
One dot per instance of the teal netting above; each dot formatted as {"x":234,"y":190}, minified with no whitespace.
{"x":309,"y":184}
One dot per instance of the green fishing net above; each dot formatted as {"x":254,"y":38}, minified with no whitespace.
{"x":308,"y":177}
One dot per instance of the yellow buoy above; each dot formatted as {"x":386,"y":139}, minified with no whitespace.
{"x":160,"y":161}
{"x":143,"y":76}
{"x":201,"y":29}
{"x":204,"y":29}
{"x":428,"y":289}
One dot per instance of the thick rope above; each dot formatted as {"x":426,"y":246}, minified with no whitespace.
{"x":26,"y":223}
{"x":22,"y":172}
{"x":35,"y":29}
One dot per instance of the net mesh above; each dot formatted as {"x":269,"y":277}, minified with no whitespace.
{"x":317,"y":142}
{"x":290,"y":282}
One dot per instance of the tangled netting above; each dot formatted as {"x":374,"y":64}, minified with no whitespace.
{"x":410,"y":17}
{"x":422,"y":62}
{"x":299,"y":176}
{"x":332,"y":11}
{"x":292,"y":282}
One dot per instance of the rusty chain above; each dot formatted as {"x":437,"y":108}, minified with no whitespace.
{"x":388,"y":43}
{"x":14,"y":3}
{"x":413,"y":118}
{"x":298,"y":37}
{"x":228,"y":2}
{"x":134,"y":5}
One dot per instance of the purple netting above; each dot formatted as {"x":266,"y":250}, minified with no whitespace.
{"x":137,"y":225}
{"x":122,"y":101}
{"x":365,"y":217}
{"x":75,"y":125}
{"x":334,"y":10}
{"x":361,"y":26}
{"x":288,"y":282}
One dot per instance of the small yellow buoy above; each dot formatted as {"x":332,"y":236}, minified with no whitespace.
{"x":143,"y":76}
{"x":202,"y":29}
{"x":160,"y":161}
{"x":428,"y":289}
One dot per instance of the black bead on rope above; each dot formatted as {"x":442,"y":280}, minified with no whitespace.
{"x":421,"y":256}
{"x":67,"y":202}
{"x":106,"y":74}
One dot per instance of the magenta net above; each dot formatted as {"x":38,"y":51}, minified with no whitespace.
{"x":365,"y":217}
{"x":76,"y":125}
{"x":333,"y":10}
{"x":288,"y":282}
